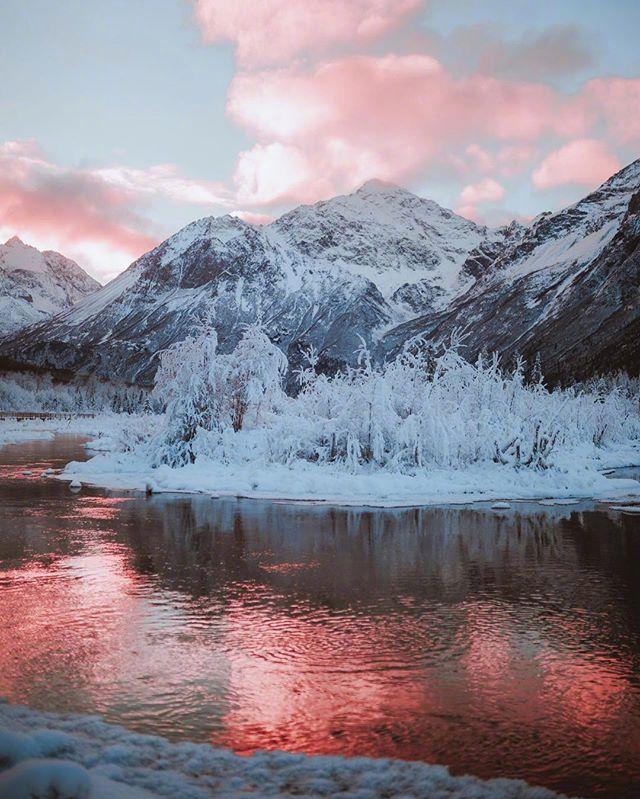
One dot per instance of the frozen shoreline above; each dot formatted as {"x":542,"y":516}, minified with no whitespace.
{"x":578,"y":479}
{"x":306,"y":482}
{"x":14,"y":431}
{"x":91,"y":759}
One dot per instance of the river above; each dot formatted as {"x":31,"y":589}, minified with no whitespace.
{"x":500,"y":643}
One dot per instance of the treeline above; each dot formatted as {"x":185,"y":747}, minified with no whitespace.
{"x":41,"y":392}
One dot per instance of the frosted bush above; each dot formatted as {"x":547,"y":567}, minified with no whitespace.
{"x":422,"y":410}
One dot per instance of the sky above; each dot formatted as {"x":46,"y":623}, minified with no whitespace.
{"x":123,"y":120}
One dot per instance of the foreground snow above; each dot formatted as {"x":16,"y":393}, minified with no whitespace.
{"x":82,"y":757}
{"x":323,"y":483}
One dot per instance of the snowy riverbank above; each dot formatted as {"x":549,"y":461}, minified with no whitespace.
{"x":85,"y":758}
{"x":13,"y":431}
{"x":580,"y":477}
{"x":332,"y":485}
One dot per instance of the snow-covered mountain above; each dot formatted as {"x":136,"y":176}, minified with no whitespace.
{"x":381,"y":265}
{"x":566,"y":287}
{"x":322,"y":275}
{"x":34,"y":285}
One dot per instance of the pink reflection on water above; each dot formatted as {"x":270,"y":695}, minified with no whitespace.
{"x":288,"y":568}
{"x":305,"y":683}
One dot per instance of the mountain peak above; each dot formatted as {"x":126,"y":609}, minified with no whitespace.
{"x":15,"y":241}
{"x":629,"y":175}
{"x":377,"y":186}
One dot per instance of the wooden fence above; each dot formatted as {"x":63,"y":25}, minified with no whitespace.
{"x":43,"y":415}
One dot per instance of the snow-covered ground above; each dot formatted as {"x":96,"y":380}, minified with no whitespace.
{"x":326,"y":483}
{"x":44,"y":755}
{"x":13,"y":431}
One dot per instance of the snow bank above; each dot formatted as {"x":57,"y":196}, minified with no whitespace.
{"x":82,"y":757}
{"x":13,"y":432}
{"x":329,"y":484}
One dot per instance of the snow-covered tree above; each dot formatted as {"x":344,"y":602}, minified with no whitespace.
{"x":425,"y":409}
{"x":205,"y":392}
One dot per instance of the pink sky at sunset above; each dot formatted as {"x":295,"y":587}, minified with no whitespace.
{"x":495,"y":113}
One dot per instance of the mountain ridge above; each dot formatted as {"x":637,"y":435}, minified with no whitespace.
{"x":380,"y":265}
{"x":35,"y":284}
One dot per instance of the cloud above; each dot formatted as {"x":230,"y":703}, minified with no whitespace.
{"x":506,"y":160}
{"x":586,"y":162}
{"x":70,"y":206}
{"x":547,"y":54}
{"x":269,"y":173}
{"x":328,"y":128}
{"x":616,"y":103}
{"x":487,"y":190}
{"x":556,"y":50}
{"x":163,"y":180}
{"x":275,"y":31}
{"x":89,"y":213}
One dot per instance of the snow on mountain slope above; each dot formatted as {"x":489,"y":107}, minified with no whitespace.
{"x":566,"y":287}
{"x":383,"y":233}
{"x":379,"y":265}
{"x":34,"y":284}
{"x":322,"y":275}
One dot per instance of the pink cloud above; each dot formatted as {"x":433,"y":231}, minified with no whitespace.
{"x":505,"y":160}
{"x":487,"y":190}
{"x":269,"y":173}
{"x":586,"y":162}
{"x":616,"y":102}
{"x":275,"y":31}
{"x":72,"y":206}
{"x":479,"y":159}
{"x":328,"y":128}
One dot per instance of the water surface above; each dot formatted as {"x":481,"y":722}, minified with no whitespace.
{"x":500,"y":643}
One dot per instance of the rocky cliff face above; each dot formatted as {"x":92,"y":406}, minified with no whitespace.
{"x":34,"y":285}
{"x":380,"y":265}
{"x":566,"y":287}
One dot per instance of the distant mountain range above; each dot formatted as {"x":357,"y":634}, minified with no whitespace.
{"x":34,"y":285}
{"x":382,"y":265}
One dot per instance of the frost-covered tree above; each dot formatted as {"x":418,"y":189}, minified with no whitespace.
{"x":184,"y":386}
{"x":252,"y":380}
{"x":206,"y":392}
{"x":423,"y":410}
